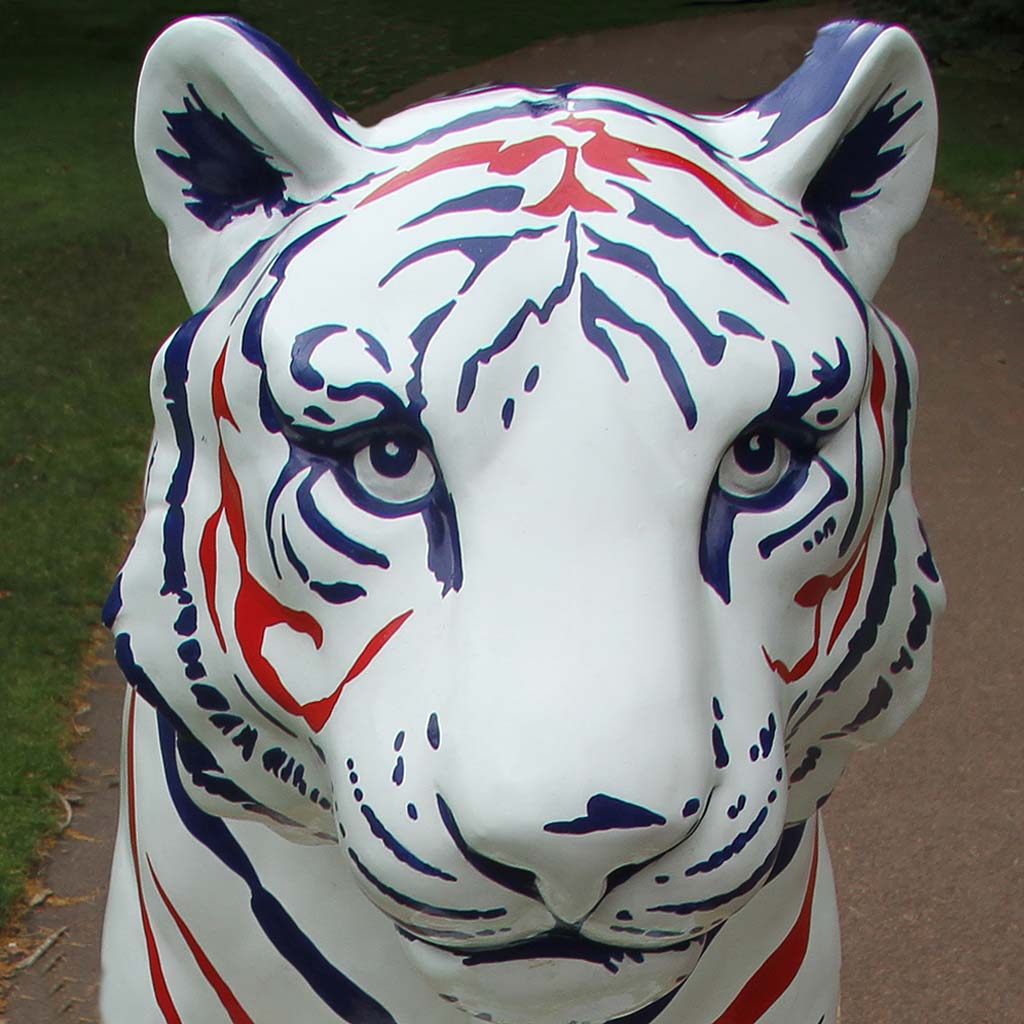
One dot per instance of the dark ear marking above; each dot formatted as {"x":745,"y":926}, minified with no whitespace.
{"x":850,"y":139}
{"x":288,"y":67}
{"x":814,"y":89}
{"x":228,"y":175}
{"x":227,"y":126}
{"x":859,"y":160}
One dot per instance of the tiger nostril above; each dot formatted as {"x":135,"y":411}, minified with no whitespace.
{"x":624,"y":873}
{"x":562,"y":884}
{"x":606,"y":813}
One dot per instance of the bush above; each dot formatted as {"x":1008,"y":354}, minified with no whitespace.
{"x":947,"y":28}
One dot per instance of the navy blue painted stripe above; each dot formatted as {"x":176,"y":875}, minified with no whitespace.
{"x":719,"y":857}
{"x":334,"y":988}
{"x":710,"y":343}
{"x":901,"y":414}
{"x":176,"y":375}
{"x":510,"y":332}
{"x":595,"y":305}
{"x":515,"y":879}
{"x":815,"y":87}
{"x":755,"y":274}
{"x":832,"y":269}
{"x":453,"y":913}
{"x":406,"y":856}
{"x":763,"y":870}
{"x":605,"y":813}
{"x":286,"y":64}
{"x":858,"y":490}
{"x":500,"y":199}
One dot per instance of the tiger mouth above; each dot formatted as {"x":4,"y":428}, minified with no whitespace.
{"x":560,"y":943}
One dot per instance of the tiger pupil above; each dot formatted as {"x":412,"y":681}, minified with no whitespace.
{"x":755,"y":453}
{"x":393,"y":457}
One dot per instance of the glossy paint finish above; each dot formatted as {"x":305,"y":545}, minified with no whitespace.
{"x":528,"y":543}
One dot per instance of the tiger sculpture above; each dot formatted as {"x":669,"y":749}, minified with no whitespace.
{"x":528,"y":544}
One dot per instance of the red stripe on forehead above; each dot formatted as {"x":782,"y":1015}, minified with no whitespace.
{"x":569,"y":194}
{"x":607,"y":152}
{"x":602,"y":151}
{"x":462,"y":156}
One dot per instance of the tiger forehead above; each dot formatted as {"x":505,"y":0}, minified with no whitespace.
{"x":430,"y":273}
{"x":454,"y":295}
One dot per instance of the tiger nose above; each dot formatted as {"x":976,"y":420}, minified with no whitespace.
{"x":569,"y":860}
{"x":576,"y":721}
{"x":546,"y":779}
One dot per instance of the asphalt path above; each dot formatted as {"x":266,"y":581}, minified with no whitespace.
{"x":926,"y":832}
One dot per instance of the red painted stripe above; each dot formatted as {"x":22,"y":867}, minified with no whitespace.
{"x":856,"y":583}
{"x":208,"y":564}
{"x":217,"y":983}
{"x":602,"y":151}
{"x":718,"y":189}
{"x":516,"y":158}
{"x":850,"y":598}
{"x":609,"y":153}
{"x":257,"y":610}
{"x":208,"y":539}
{"x":156,"y":971}
{"x":878,"y":392}
{"x":815,"y":590}
{"x":221,"y":410}
{"x":776,"y":974}
{"x":805,"y":663}
{"x":460,"y":156}
{"x":568,"y":194}
{"x":859,"y":558}
{"x":317,"y":712}
{"x":812,"y":595}
{"x":376,"y":645}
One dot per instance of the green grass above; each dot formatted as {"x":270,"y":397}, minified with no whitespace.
{"x":981,"y":151}
{"x":85,"y":297}
{"x":87,"y":293}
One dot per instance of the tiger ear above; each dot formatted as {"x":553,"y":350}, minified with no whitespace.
{"x":850,"y":139}
{"x":232,"y":139}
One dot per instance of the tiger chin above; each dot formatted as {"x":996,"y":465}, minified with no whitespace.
{"x":528,"y":544}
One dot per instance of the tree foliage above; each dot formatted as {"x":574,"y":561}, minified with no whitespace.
{"x":947,"y":28}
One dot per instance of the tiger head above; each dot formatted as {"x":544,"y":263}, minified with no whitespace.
{"x":528,"y":511}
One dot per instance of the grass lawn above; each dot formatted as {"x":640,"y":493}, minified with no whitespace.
{"x":981,"y":151}
{"x":84,"y":298}
{"x":87,"y":294}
